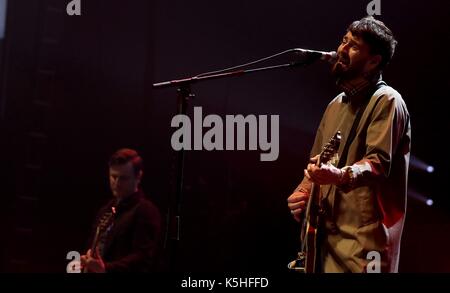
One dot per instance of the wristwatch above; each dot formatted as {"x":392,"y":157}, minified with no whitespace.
{"x":348,"y":177}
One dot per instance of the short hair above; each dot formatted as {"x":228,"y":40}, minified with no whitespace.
{"x":123,"y":156}
{"x":377,"y":35}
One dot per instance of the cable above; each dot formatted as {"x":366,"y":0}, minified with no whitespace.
{"x":246,"y":64}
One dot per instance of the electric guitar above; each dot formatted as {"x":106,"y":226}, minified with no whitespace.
{"x":306,"y":261}
{"x":104,"y":223}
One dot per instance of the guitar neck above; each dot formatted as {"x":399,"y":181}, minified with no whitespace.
{"x":95,"y":242}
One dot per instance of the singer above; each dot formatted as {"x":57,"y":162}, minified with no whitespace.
{"x":363,"y":194}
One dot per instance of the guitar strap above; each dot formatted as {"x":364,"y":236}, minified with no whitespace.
{"x":352,"y":133}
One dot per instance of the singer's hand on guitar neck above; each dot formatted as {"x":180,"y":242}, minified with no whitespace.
{"x":324,"y":174}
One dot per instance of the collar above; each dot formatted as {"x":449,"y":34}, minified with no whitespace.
{"x":129,"y":200}
{"x":356,"y":90}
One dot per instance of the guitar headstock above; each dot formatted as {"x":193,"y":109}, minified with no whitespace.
{"x":331,"y":148}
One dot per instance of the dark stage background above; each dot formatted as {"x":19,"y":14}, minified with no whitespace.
{"x":73,"y":89}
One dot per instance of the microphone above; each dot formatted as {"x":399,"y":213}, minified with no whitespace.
{"x":313,"y":55}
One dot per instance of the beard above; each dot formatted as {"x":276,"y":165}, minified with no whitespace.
{"x":345,"y":70}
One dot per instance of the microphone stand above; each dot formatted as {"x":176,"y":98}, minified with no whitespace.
{"x":184,"y":93}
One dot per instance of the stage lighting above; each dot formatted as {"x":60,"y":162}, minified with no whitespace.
{"x":418,"y":164}
{"x":419,"y":197}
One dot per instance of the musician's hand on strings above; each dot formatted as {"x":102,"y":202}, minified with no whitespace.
{"x":83,"y":260}
{"x":93,"y":264}
{"x":297,"y":203}
{"x":323,"y":174}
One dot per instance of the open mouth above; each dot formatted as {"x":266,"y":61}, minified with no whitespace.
{"x":343,"y":61}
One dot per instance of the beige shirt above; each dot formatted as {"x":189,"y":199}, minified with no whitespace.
{"x":369,"y":215}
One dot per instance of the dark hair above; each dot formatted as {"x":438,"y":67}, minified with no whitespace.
{"x":377,"y":35}
{"x":123,"y":156}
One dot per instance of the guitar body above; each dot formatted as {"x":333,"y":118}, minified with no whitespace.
{"x":308,"y":257}
{"x":312,"y":229}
